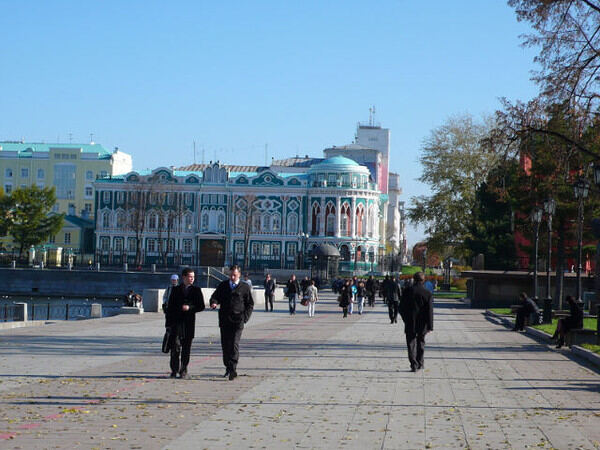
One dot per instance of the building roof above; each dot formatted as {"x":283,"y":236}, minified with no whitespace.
{"x":80,"y":221}
{"x":232,"y":168}
{"x":25,"y":149}
{"x":339,"y":164}
{"x":352,"y":147}
{"x":297,"y":161}
{"x":325,"y":250}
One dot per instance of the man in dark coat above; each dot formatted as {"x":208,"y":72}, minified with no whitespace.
{"x":391,"y":292}
{"x":184,"y":302}
{"x":527,"y":308}
{"x":236,"y":305}
{"x":371,"y":290}
{"x":417,"y":314}
{"x":292,"y":292}
{"x":269,"y":285}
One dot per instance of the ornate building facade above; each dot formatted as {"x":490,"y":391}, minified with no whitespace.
{"x":261,"y":217}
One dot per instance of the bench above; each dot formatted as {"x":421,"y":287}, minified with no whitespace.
{"x":578,"y":336}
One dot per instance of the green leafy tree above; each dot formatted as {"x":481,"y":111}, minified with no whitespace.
{"x":456,"y":159}
{"x":5,"y":213}
{"x":30,"y":221}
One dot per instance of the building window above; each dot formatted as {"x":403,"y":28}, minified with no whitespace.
{"x":7,"y":188}
{"x":151,"y":244}
{"x":188,"y":198}
{"x":360,"y":220}
{"x":152,"y":222}
{"x":188,"y":223}
{"x":345,"y":228}
{"x":8,"y":173}
{"x":240,"y":222}
{"x":205,"y":219}
{"x":345,"y":253}
{"x":106,"y":197}
{"x":292,"y":249}
{"x":276,"y":223}
{"x":88,"y":208}
{"x":120,"y":197}
{"x":71,"y":209}
{"x":187,"y":246}
{"x":121,"y":220}
{"x":132,"y":244}
{"x":52,"y":239}
{"x":89,"y":192}
{"x":239,"y":249}
{"x":316,"y":219}
{"x":104,"y":243}
{"x":265,"y":222}
{"x":55,"y":208}
{"x":105,"y":220}
{"x":292,"y":223}
{"x":255,"y":249}
{"x":40,"y":174}
{"x":64,"y":180}
{"x":330,"y":220}
{"x":89,"y":175}
{"x":118,"y":244}
{"x":67,"y":238}
{"x":221,"y":222}
{"x":255,"y":223}
{"x":24,"y":172}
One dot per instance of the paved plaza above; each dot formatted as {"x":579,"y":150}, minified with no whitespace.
{"x":325,"y":382}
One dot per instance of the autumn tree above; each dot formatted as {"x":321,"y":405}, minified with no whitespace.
{"x":456,"y":160}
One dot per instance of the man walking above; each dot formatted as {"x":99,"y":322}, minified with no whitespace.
{"x":269,"y":285}
{"x":391,"y":292}
{"x":293,"y":290}
{"x":184,"y":302}
{"x":236,"y":305}
{"x":371,"y":290}
{"x":417,"y":314}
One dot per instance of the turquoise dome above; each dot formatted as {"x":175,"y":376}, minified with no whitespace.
{"x":338,"y":164}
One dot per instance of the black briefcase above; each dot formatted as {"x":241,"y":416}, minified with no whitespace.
{"x":166,"y":343}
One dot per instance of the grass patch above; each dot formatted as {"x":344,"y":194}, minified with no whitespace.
{"x":502,"y":311}
{"x":592,"y":348}
{"x":411,"y":270}
{"x":550,"y":328}
{"x":449,"y":294}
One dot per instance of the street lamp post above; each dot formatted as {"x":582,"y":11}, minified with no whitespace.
{"x":550,"y":209}
{"x":536,"y":218}
{"x":581,"y":189}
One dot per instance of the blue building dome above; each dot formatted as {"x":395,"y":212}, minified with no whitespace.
{"x":338,"y":164}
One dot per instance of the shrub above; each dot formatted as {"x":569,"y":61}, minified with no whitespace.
{"x":459,"y":283}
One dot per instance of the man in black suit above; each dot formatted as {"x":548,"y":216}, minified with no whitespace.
{"x":184,"y":302}
{"x":416,"y":310}
{"x":235,"y":299}
{"x":269,"y":285}
{"x":391,"y":292}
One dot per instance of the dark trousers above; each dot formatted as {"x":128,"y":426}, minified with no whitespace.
{"x":345,"y":311}
{"x":230,"y":344}
{"x":180,"y":348}
{"x":269,"y":301}
{"x":372,"y":299}
{"x":393,"y":309}
{"x":416,"y":349}
{"x":292,"y":299}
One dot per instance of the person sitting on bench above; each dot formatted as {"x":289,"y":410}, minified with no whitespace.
{"x":573,"y":321}
{"x":527,"y":308}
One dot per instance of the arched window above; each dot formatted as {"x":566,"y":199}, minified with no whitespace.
{"x":240,"y":221}
{"x":255,"y":218}
{"x":371,"y":222}
{"x":221,"y":222}
{"x":106,"y":219}
{"x":204,"y":221}
{"x":265,"y":220}
{"x":360,"y":253}
{"x":345,"y":220}
{"x":330,"y":220}
{"x":152,"y":221}
{"x":345,"y":253}
{"x":316,"y":219}
{"x":276,"y":223}
{"x":360,"y":220}
{"x":121,"y":220}
{"x":292,"y":223}
{"x":187,"y":223}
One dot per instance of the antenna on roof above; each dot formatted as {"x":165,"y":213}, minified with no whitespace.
{"x":194,"y":152}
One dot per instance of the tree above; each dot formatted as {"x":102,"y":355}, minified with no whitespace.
{"x":456,"y":160}
{"x":30,"y":222}
{"x":5,"y":213}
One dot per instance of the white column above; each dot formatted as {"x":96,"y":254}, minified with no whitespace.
{"x":353,"y":217}
{"x":338,"y":216}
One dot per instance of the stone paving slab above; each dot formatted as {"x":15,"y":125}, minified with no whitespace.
{"x":325,"y":382}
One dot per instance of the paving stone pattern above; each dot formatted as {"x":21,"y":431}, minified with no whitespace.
{"x":325,"y":382}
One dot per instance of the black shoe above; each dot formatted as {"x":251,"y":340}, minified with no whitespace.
{"x":560,"y":343}
{"x":184,"y":375}
{"x":413,"y":369}
{"x":232,"y":375}
{"x":226,"y":374}
{"x":173,"y":375}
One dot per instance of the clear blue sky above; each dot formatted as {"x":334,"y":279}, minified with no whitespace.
{"x":152,"y":77}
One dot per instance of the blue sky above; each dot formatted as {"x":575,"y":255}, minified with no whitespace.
{"x":152,"y":77}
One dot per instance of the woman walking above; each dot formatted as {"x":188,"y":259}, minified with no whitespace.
{"x":312,"y":296}
{"x":361,"y":293}
{"x":346,"y":297}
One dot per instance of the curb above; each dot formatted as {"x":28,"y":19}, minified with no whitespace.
{"x":586,"y":354}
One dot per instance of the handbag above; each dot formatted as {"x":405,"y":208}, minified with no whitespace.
{"x":166,"y":343}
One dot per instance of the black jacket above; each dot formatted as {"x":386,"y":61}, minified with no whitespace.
{"x":236,"y":305}
{"x":269,"y":286}
{"x":293,"y":287}
{"x":416,"y":310}
{"x":183,"y":323}
{"x":391,"y":291}
{"x":345,"y":296}
{"x":371,"y":286}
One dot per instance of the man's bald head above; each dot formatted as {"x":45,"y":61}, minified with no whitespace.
{"x":419,"y":277}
